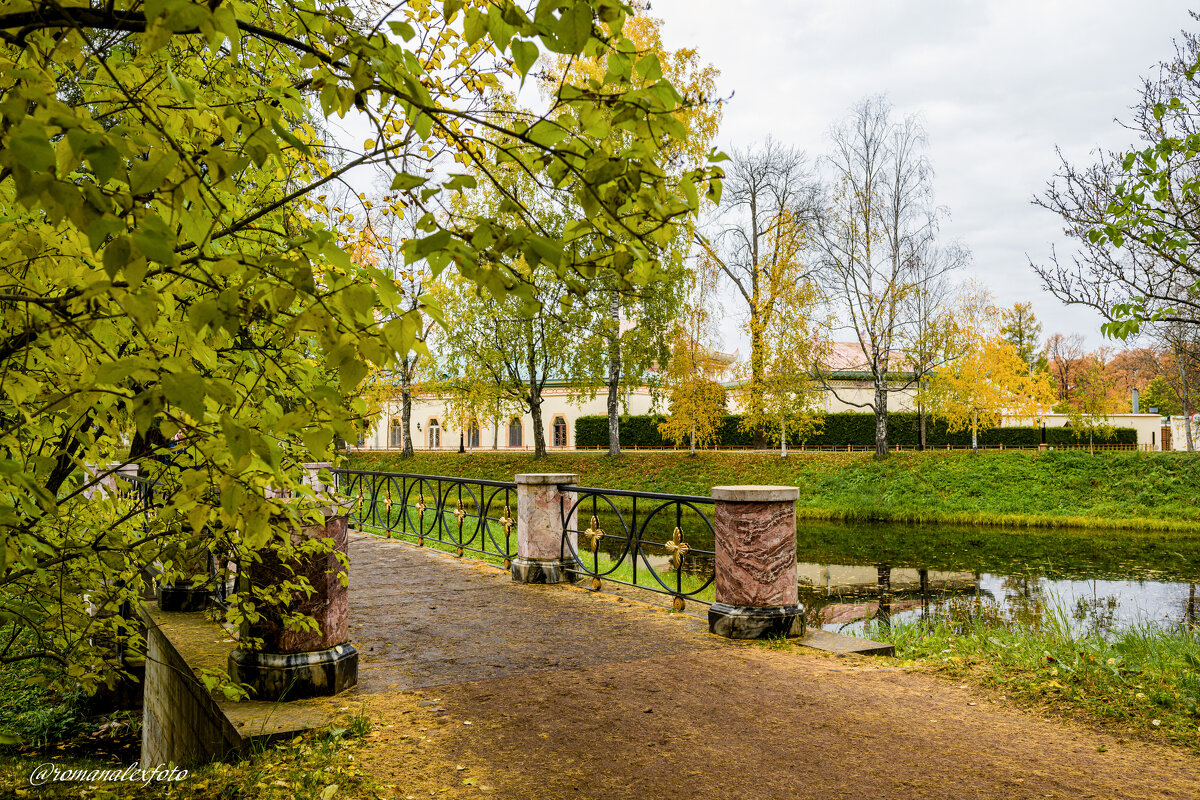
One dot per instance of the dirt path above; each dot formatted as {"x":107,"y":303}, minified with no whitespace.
{"x":553,"y":692}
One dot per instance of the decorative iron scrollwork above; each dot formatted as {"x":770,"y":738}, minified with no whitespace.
{"x":678,"y":548}
{"x":594,"y":534}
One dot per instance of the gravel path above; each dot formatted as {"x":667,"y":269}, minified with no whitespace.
{"x":481,"y":687}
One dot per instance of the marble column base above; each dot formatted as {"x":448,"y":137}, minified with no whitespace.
{"x":749,"y":622}
{"x":182,"y":597}
{"x":537,"y":570}
{"x":291,"y":676}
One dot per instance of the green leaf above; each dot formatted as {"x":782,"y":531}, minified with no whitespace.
{"x":104,"y":161}
{"x":403,"y":182}
{"x":154,"y":246}
{"x":186,"y":390}
{"x":474,"y":26}
{"x":117,"y":255}
{"x":575,"y":27}
{"x":402,"y":29}
{"x":32,"y":151}
{"x":525,"y":54}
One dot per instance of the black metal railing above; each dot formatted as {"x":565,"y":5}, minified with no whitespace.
{"x":142,"y":492}
{"x":139,"y":491}
{"x":459,"y":514}
{"x":657,"y":542}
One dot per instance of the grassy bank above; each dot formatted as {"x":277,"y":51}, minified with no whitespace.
{"x":1143,"y":681}
{"x":1137,"y":491}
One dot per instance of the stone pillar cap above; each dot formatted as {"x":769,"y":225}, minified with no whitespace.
{"x":547,"y":478}
{"x":755,"y":494}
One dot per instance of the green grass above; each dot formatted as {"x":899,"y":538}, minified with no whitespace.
{"x":35,"y":715}
{"x":1143,"y":680}
{"x":1127,"y":490}
{"x":305,"y":767}
{"x":602,"y":563}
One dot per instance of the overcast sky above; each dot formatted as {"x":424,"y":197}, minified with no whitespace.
{"x":998,"y":84}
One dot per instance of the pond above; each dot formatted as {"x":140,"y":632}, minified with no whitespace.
{"x":1094,"y":580}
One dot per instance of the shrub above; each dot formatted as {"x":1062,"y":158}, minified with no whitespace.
{"x":841,"y":429}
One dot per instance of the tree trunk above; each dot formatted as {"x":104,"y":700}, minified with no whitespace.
{"x":496,"y":427}
{"x":693,"y":440}
{"x":881,"y":420}
{"x":921,"y":429}
{"x":756,"y":379}
{"x":535,"y":392}
{"x":406,"y":449}
{"x":782,"y":437}
{"x":539,"y":434}
{"x":614,"y":378}
{"x":1185,"y":396}
{"x":975,"y":433}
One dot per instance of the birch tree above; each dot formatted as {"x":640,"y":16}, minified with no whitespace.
{"x":756,"y":241}
{"x":877,"y":219}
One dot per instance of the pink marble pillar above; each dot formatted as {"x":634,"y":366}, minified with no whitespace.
{"x":291,"y":664}
{"x":542,"y":554}
{"x":755,"y":583}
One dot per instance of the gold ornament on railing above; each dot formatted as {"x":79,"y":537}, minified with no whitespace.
{"x":678,"y":548}
{"x":461,"y":514}
{"x":507,"y":521}
{"x":594,"y":534}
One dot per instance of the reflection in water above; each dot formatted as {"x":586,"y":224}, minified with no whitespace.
{"x":839,"y":596}
{"x":844,"y":598}
{"x":1084,"y":580}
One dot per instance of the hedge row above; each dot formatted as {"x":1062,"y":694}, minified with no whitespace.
{"x":840,"y":430}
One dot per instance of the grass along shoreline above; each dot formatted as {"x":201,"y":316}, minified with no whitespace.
{"x":1067,"y":489}
{"x":1142,"y":680}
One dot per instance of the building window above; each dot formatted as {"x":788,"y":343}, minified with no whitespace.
{"x":395,"y":434}
{"x":435,"y":435}
{"x":514,"y":432}
{"x":560,"y":432}
{"x":473,"y":434}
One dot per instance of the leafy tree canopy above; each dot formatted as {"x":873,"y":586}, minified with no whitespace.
{"x":167,"y":274}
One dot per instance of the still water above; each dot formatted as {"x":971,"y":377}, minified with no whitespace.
{"x":1094,"y":580}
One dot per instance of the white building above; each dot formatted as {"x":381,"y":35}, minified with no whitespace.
{"x":563,"y":405}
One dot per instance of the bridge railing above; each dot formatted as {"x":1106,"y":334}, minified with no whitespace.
{"x":645,"y":540}
{"x":460,"y":515}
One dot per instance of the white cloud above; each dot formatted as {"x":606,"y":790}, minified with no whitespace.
{"x":999,"y":84}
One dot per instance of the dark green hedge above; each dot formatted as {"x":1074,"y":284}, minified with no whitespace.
{"x":842,"y":429}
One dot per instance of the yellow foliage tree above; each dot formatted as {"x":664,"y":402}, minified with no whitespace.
{"x":989,"y":380}
{"x":781,"y":395}
{"x":697,"y":399}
